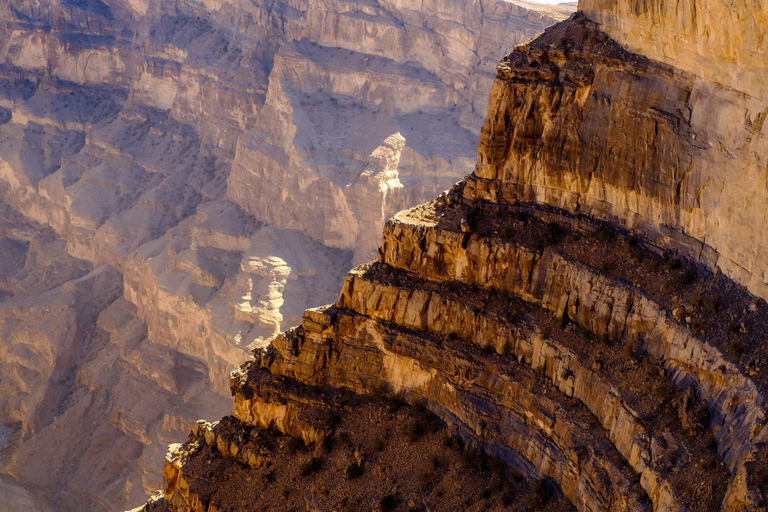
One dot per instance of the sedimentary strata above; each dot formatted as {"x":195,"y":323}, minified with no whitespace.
{"x":579,"y":307}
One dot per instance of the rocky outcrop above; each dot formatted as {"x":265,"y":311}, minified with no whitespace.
{"x":181,"y":180}
{"x":614,"y":135}
{"x":387,"y":455}
{"x":556,"y":308}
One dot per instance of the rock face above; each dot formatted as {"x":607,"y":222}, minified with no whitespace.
{"x":651,"y":148}
{"x":682,"y":34}
{"x":180,"y":180}
{"x":581,"y":307}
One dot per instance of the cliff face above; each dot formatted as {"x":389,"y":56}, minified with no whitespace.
{"x":718,"y":41}
{"x":652,"y":148}
{"x":587,"y":306}
{"x":180,"y":181}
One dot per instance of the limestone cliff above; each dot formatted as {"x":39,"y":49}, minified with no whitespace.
{"x":654,"y":149}
{"x":180,"y":180}
{"x":587,"y":306}
{"x":717,"y":41}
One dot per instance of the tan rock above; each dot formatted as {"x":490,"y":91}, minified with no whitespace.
{"x":125,"y":128}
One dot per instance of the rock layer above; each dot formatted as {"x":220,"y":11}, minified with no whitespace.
{"x":553,"y":308}
{"x":387,"y":454}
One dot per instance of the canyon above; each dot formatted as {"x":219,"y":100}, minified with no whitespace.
{"x":180,"y":181}
{"x":587,"y":308}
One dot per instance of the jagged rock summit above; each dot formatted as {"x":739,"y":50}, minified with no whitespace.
{"x":587,"y":307}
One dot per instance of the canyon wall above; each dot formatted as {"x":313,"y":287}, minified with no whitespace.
{"x":588,"y":306}
{"x":718,"y":41}
{"x":181,"y":180}
{"x":655,"y":152}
